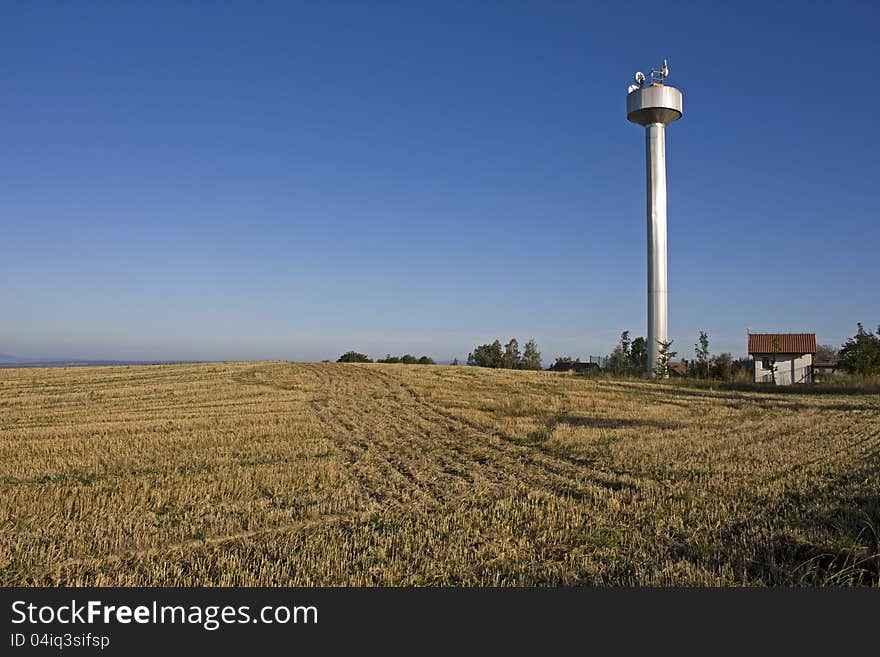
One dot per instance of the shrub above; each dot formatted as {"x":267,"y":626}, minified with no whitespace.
{"x":354,"y":357}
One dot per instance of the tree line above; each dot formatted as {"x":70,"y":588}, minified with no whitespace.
{"x":859,"y":355}
{"x":406,"y":359}
{"x":509,"y":358}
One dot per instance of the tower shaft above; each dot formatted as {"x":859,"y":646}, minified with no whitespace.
{"x":655,"y":146}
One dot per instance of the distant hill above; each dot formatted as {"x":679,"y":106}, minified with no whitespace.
{"x":7,"y":361}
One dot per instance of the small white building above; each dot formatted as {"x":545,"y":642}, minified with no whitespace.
{"x":783,"y":358}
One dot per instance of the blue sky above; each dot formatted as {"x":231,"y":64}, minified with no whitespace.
{"x":249,"y":180}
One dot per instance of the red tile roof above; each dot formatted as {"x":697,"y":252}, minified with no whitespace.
{"x":784,"y":343}
{"x":678,"y":367}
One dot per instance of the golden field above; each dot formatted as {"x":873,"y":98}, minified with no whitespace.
{"x":297,"y":474}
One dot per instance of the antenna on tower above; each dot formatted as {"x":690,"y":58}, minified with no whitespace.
{"x":658,"y":75}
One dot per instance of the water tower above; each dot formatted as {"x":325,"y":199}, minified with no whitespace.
{"x":653,"y":104}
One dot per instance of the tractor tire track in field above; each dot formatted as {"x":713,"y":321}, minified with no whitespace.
{"x":395,"y":462}
{"x":532,"y":456}
{"x":401,"y":449}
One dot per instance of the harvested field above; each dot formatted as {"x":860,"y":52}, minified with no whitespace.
{"x":296,"y":474}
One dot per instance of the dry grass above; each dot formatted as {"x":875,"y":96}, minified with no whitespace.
{"x":326,"y":474}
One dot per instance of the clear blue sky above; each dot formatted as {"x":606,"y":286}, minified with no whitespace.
{"x":248,"y":180}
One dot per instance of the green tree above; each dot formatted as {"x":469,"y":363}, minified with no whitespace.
{"x":701,"y":349}
{"x":769,"y":362}
{"x":743,"y":368}
{"x":454,"y":361}
{"x":620,"y":360}
{"x":665,"y":354}
{"x":425,"y":360}
{"x":614,"y":364}
{"x":722,"y":367}
{"x":825,"y":352}
{"x":510,"y":357}
{"x":354,"y":357}
{"x":531,"y":358}
{"x":486,"y":355}
{"x":638,"y":356}
{"x":625,"y":345}
{"x":860,"y":354}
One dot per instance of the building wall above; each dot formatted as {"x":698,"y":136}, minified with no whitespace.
{"x":790,"y":368}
